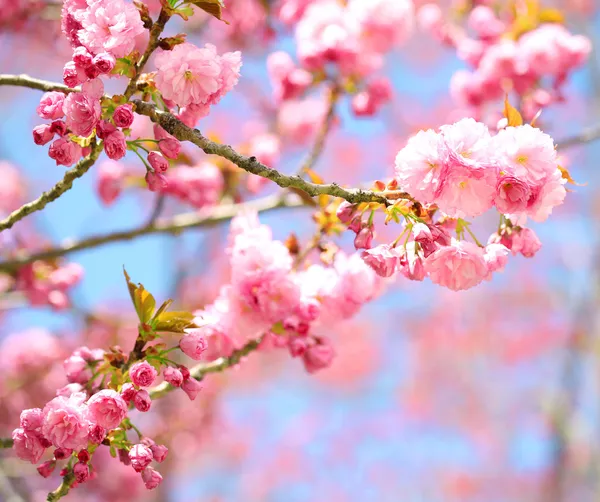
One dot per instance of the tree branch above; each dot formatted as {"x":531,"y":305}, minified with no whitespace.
{"x":324,"y":130}
{"x":216,"y":366}
{"x":155,"y":32}
{"x":184,"y":133}
{"x":34,"y":83}
{"x":173,"y":225}
{"x":588,"y":135}
{"x":63,"y":489}
{"x":55,"y":192}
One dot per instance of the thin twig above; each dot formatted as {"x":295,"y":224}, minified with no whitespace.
{"x":324,"y":130}
{"x":157,"y":210}
{"x":173,"y":225}
{"x":218,"y":365}
{"x":63,"y":489}
{"x":55,"y":192}
{"x":155,"y":32}
{"x":250,"y":164}
{"x":588,"y":135}
{"x":34,"y":83}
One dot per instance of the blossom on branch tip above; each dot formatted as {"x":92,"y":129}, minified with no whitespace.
{"x":142,"y":374}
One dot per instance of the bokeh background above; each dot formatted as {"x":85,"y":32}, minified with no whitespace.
{"x":489,"y":395}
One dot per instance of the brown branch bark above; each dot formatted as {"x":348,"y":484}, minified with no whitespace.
{"x":34,"y":83}
{"x":215,"y":366}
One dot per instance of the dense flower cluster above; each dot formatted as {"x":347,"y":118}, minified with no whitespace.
{"x":269,"y":296}
{"x":547,"y":53}
{"x":462,"y":171}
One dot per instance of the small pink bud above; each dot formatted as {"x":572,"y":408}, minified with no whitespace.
{"x":83,"y":456}
{"x":156,"y":181}
{"x":173,"y":376}
{"x":64,"y":152}
{"x":142,"y":374}
{"x":191,"y":387}
{"x":364,"y":238}
{"x":51,"y":105}
{"x":72,"y":75}
{"x":184,"y":372}
{"x":140,"y":456}
{"x":193,"y":344}
{"x":151,"y":478}
{"x":170,"y":147}
{"x":115,"y":145}
{"x":158,"y":162}
{"x":297,"y":346}
{"x":93,"y":88}
{"x":104,"y":61}
{"x":318,"y":357}
{"x":42,"y":134}
{"x":46,"y":468}
{"x":97,"y":434}
{"x":81,"y":57}
{"x":124,"y":457}
{"x":62,"y":453}
{"x":81,"y":472}
{"x":104,"y":128}
{"x":345,"y":212}
{"x":123,"y":116}
{"x":128,"y":391}
{"x":58,"y":127}
{"x":142,"y":401}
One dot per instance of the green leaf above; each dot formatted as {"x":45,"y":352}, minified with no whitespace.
{"x":213,"y":7}
{"x":174,"y":322}
{"x":143,"y":301}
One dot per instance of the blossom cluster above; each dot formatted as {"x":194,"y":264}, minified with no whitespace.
{"x":462,"y":171}
{"x":271,"y":296}
{"x":524,"y":63}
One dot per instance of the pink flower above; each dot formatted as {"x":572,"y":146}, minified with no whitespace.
{"x":298,"y":120}
{"x":151,"y":478}
{"x":82,"y":58}
{"x":58,"y":127}
{"x":383,"y":259}
{"x":496,"y":257}
{"x":82,"y":113}
{"x":383,"y":23}
{"x":140,"y":456}
{"x":81,"y":472}
{"x":97,"y":434}
{"x":110,"y":26}
{"x":191,"y":387}
{"x":115,"y":145}
{"x":62,"y":453}
{"x":66,"y":424}
{"x":73,"y":75}
{"x":77,"y":369}
{"x":411,"y":262}
{"x":64,"y":152}
{"x":104,"y":62}
{"x":94,"y":88}
{"x":47,"y":468}
{"x":42,"y":134}
{"x":69,"y":389}
{"x":159,"y":451}
{"x":107,"y":408}
{"x":318,"y":357}
{"x":193,"y":344}
{"x":287,"y":79}
{"x":31,"y":421}
{"x":526,"y":153}
{"x":327,"y":34}
{"x":27,"y":446}
{"x":546,"y":197}
{"x":123,"y":116}
{"x":173,"y":376}
{"x":142,"y":401}
{"x":142,"y":374}
{"x":156,"y":181}
{"x":368,"y":102}
{"x":110,"y":181}
{"x":158,"y":162}
{"x":199,"y":185}
{"x":483,"y":21}
{"x":167,"y":144}
{"x":364,"y":237}
{"x":512,"y":195}
{"x":128,"y":391}
{"x":461,"y":265}
{"x":51,"y":105}
{"x":104,"y":129}
{"x":192,"y":75}
{"x":420,"y":166}
{"x":526,"y":242}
